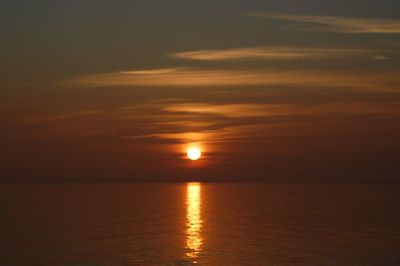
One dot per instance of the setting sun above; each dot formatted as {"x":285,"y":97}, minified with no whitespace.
{"x":194,"y":153}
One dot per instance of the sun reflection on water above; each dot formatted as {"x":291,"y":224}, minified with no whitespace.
{"x":194,"y":222}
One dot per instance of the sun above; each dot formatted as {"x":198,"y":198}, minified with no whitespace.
{"x":194,"y":153}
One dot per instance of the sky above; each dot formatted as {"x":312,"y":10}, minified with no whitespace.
{"x":274,"y":91}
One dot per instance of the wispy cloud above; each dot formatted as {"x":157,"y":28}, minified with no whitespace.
{"x":339,"y":24}
{"x":271,"y":52}
{"x":245,"y":126}
{"x":178,"y":120}
{"x":218,"y":77}
{"x":227,"y":110}
{"x":268,"y":110}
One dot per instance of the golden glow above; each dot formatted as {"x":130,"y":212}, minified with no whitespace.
{"x":194,"y":222}
{"x":194,"y":153}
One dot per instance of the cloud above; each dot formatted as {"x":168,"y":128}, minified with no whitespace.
{"x":227,"y":110}
{"x":150,"y":72}
{"x":199,"y":77}
{"x":264,"y":110}
{"x":170,"y":123}
{"x":380,"y":57}
{"x":339,"y":24}
{"x":251,"y":122}
{"x":270,"y":52}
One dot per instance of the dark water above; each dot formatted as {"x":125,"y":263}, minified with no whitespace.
{"x":212,"y":224}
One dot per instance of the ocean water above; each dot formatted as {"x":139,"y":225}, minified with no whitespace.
{"x":199,"y":223}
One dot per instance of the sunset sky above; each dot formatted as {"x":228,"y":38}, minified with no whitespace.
{"x":275,"y":91}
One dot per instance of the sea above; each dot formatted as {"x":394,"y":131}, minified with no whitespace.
{"x":199,"y":224}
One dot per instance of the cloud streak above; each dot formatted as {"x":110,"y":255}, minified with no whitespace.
{"x":388,"y":80}
{"x":269,"y":110}
{"x":248,"y":120}
{"x":271,"y":52}
{"x":188,"y":120}
{"x":338,"y":24}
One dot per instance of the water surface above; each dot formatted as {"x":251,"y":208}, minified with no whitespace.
{"x":199,"y":223}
